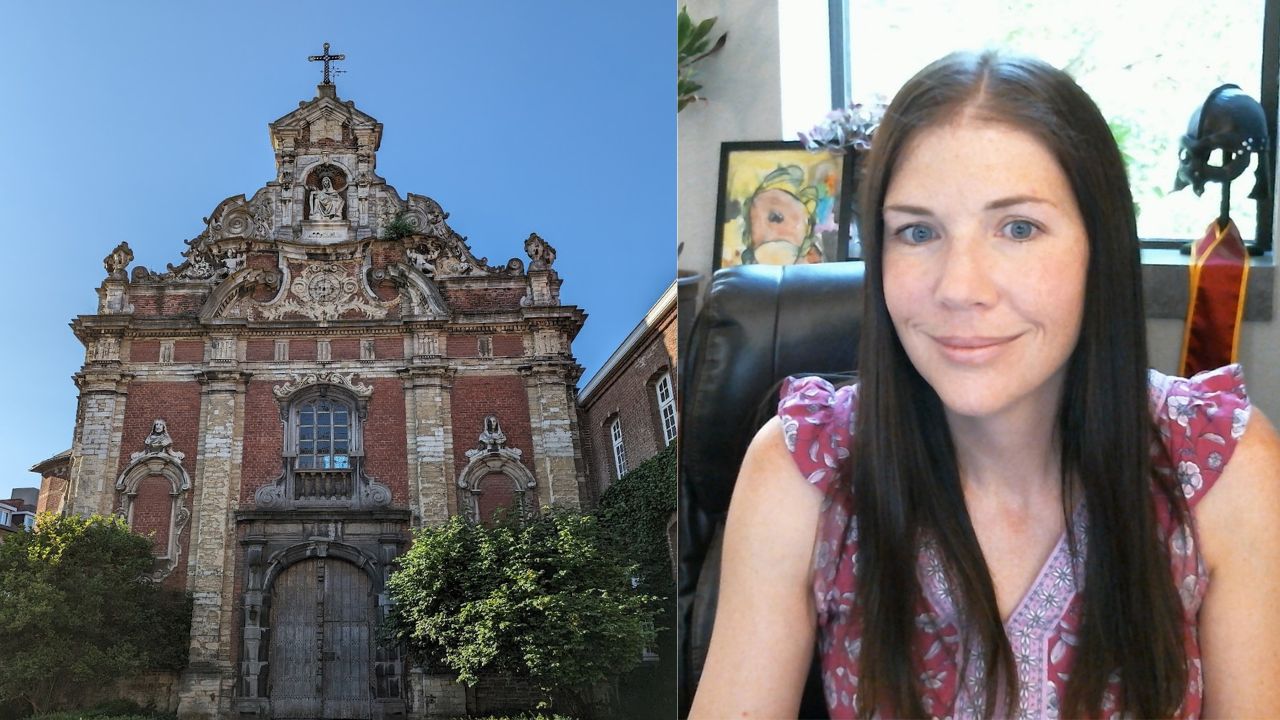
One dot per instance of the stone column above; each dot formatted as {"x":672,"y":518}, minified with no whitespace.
{"x":432,"y":491}
{"x":95,"y":449}
{"x":552,"y":412}
{"x":206,"y":686}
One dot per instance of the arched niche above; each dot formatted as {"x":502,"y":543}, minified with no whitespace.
{"x":177,"y":482}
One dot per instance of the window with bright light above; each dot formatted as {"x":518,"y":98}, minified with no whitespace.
{"x":666,"y":407}
{"x":324,"y":435}
{"x":1147,"y":83}
{"x":619,"y":453}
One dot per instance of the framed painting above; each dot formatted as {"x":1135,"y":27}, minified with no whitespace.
{"x":779,"y":204}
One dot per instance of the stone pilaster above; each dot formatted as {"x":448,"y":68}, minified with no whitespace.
{"x":206,"y":687}
{"x":95,"y":452}
{"x":552,"y":414}
{"x":428,"y":427}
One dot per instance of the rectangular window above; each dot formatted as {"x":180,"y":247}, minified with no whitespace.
{"x":323,"y":351}
{"x":366,"y":350}
{"x":282,"y":350}
{"x":166,"y":351}
{"x":1146,"y":84}
{"x":666,"y":408}
{"x":484,"y":346}
{"x":619,"y":453}
{"x":4,"y":517}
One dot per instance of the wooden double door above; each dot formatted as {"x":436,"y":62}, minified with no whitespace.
{"x":322,"y":628}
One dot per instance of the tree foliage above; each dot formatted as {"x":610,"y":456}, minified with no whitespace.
{"x":635,"y":512}
{"x":79,"y":610}
{"x":546,"y":599}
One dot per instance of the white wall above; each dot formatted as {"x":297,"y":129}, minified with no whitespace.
{"x":743,"y":91}
{"x":742,"y":83}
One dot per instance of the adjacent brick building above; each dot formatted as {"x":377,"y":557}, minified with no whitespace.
{"x":328,"y":367}
{"x":629,"y":406}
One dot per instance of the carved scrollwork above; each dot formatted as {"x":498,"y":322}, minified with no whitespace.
{"x":323,"y":291}
{"x":328,"y":378}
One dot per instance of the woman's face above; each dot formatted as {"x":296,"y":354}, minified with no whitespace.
{"x":985,"y":255}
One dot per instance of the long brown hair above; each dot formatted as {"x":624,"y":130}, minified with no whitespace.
{"x":905,"y":477}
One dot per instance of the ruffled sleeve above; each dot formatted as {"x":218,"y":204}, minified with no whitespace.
{"x":1200,"y":419}
{"x":817,"y":423}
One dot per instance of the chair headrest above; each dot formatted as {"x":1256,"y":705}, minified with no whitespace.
{"x":758,"y":324}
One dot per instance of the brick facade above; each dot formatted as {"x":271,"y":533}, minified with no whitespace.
{"x":625,"y":390}
{"x":417,"y":339}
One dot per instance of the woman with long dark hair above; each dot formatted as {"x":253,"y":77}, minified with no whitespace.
{"x":1009,"y":514}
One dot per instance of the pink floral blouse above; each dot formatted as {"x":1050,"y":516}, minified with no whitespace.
{"x":1200,"y":420}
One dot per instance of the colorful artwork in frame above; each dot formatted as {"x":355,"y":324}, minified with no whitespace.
{"x":780,"y":204}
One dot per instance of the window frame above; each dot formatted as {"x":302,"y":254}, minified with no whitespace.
{"x":295,"y":472}
{"x":841,"y":77}
{"x":666,"y":408}
{"x":619,"y":449}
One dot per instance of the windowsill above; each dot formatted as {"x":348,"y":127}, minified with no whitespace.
{"x":1165,"y":283}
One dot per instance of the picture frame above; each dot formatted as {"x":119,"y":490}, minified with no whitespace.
{"x":778,"y":204}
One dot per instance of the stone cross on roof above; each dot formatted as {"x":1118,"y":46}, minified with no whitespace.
{"x":326,"y":58}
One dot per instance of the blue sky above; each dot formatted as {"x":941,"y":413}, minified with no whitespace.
{"x":131,"y":121}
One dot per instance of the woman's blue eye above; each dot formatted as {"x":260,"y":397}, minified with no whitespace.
{"x":1021,"y":229}
{"x":917,"y":233}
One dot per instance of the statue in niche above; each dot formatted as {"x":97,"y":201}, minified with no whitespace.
{"x":326,"y":203}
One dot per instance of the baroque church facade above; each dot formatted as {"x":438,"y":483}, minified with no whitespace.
{"x":328,"y":368}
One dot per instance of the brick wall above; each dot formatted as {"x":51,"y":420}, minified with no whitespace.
{"x":153,"y":511}
{"x":508,"y":345}
{"x":476,"y":396}
{"x":260,"y":350}
{"x":388,"y":348}
{"x":345,"y":348}
{"x":144,"y":351}
{"x":188,"y":351}
{"x":157,"y":302}
{"x":497,"y":491}
{"x":53,"y":494}
{"x":263,"y":439}
{"x":386,"y":455}
{"x":178,"y":403}
{"x":302,"y":349}
{"x":482,"y":299}
{"x":629,"y":395}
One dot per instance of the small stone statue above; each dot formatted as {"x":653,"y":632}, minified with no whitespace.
{"x":117,"y":261}
{"x":491,"y":437}
{"x":326,"y":203}
{"x":159,"y":442}
{"x":540,"y":252}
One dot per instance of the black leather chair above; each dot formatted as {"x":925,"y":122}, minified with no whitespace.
{"x":758,"y":324}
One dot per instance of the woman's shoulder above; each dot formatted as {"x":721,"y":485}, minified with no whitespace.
{"x":817,"y":419}
{"x":1200,"y":421}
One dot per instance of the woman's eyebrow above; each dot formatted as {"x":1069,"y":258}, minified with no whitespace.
{"x":993,"y":205}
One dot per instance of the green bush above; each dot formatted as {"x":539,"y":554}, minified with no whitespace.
{"x":545,"y":598}
{"x":78,"y":592}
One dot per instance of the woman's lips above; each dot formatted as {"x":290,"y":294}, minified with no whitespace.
{"x":972,"y":350}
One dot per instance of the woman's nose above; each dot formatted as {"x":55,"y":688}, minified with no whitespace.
{"x":965,"y":276}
